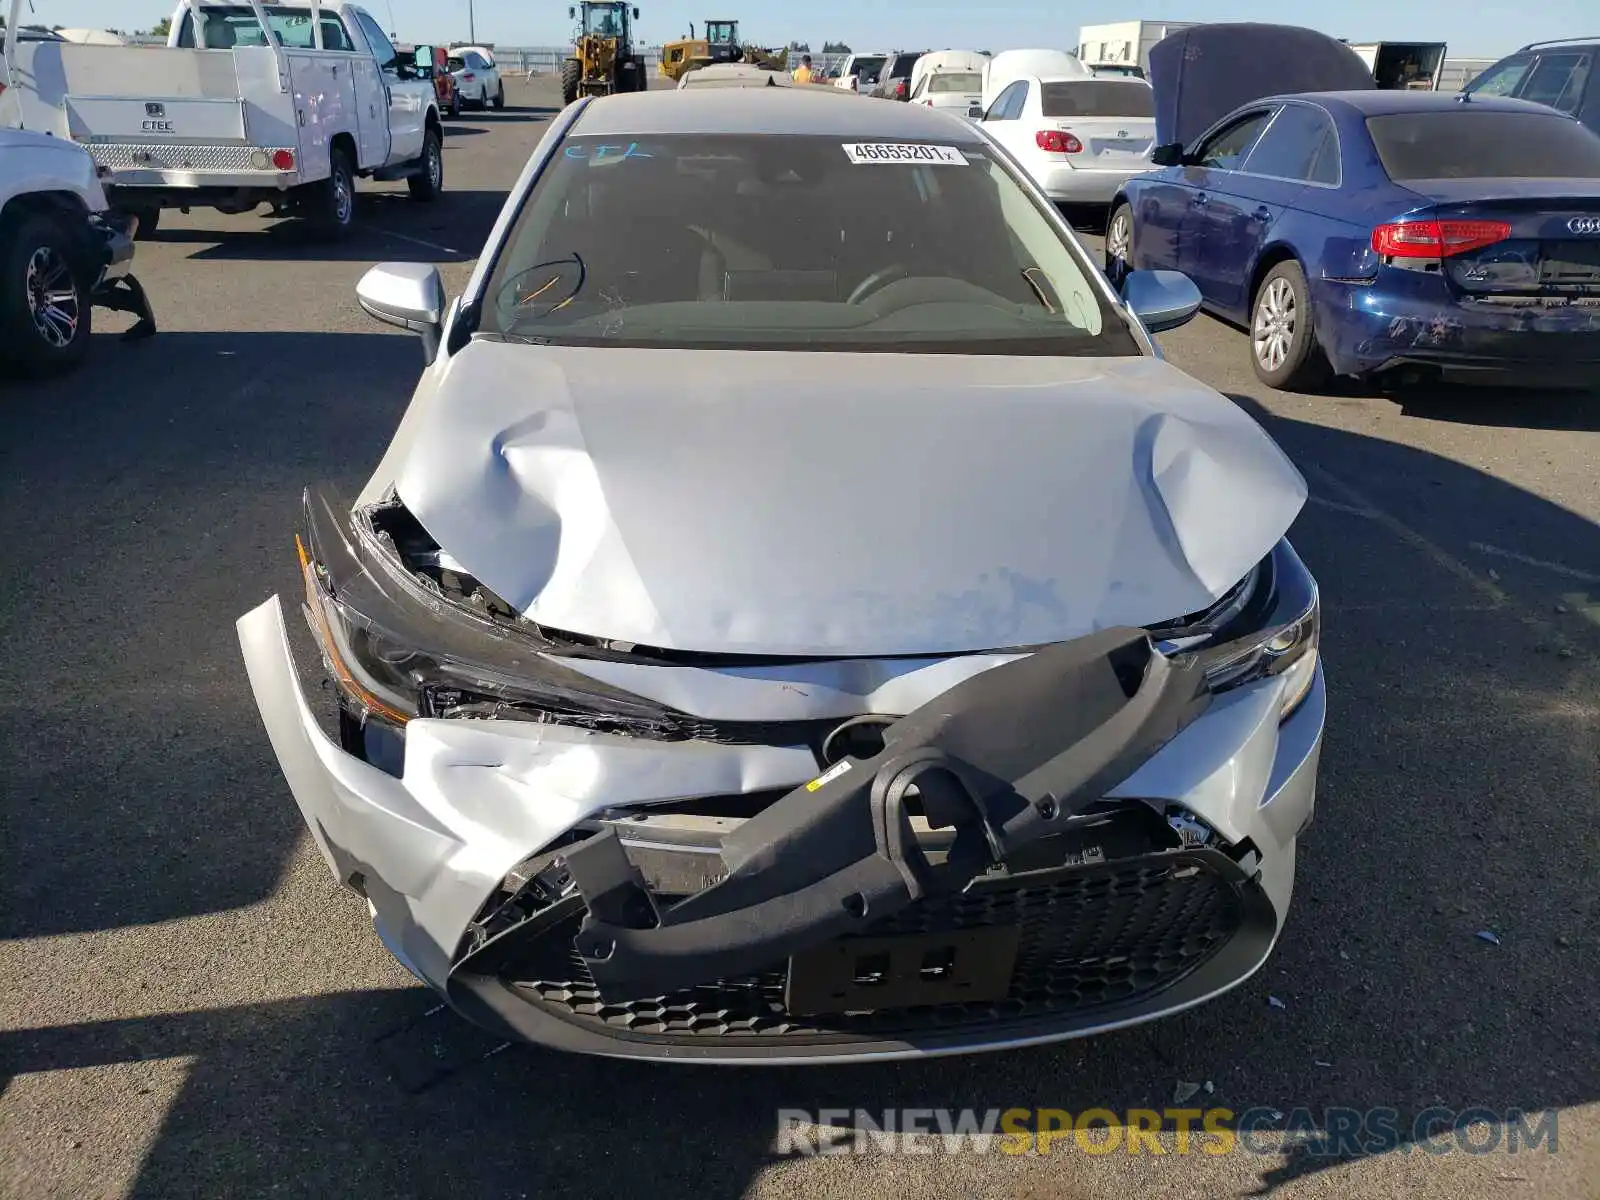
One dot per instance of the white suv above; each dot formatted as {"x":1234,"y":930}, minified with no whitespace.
{"x":477,"y":77}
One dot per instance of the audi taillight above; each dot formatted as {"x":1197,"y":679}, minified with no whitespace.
{"x":283,"y":160}
{"x":469,"y":77}
{"x":1054,"y":141}
{"x":1436,"y":239}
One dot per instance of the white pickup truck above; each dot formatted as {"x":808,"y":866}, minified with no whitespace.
{"x":249,"y":103}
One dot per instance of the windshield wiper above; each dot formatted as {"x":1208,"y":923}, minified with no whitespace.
{"x":1028,"y":273}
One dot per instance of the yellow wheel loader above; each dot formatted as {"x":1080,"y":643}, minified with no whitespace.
{"x":604,"y":58}
{"x":720,"y":45}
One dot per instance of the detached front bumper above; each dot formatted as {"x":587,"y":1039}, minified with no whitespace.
{"x":111,"y":237}
{"x":115,"y":238}
{"x":1105,"y":932}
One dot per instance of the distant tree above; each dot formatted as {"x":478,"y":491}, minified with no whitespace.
{"x":835,"y":48}
{"x":801,"y":47}
{"x":162,"y":27}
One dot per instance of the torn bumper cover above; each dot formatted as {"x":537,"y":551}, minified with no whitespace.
{"x":1003,"y":759}
{"x":1037,"y":854}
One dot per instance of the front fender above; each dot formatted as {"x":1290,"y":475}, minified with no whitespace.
{"x":63,"y":172}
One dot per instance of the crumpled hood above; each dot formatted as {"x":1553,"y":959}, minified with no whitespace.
{"x":840,"y":504}
{"x":1202,"y":73}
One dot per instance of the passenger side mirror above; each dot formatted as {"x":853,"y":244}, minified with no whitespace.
{"x":636,"y":14}
{"x":572,"y":14}
{"x":1168,"y":155}
{"x":408,"y":296}
{"x":1162,"y":300}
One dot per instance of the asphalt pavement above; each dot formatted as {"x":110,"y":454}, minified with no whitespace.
{"x":191,"y":1007}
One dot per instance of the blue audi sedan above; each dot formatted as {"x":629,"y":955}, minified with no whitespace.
{"x":1385,"y":235}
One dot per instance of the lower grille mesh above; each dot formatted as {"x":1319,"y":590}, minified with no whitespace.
{"x":1087,"y":940}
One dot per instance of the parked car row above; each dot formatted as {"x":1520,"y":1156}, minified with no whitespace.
{"x":462,"y":76}
{"x":1368,"y":233}
{"x":1385,"y":235}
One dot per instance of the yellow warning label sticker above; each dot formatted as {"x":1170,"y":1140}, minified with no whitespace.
{"x":828,"y":776}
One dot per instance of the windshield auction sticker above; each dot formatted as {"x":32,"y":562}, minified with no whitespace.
{"x":862,"y":153}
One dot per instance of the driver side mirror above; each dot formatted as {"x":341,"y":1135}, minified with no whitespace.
{"x":636,"y":14}
{"x":1162,"y":300}
{"x":1168,"y":155}
{"x":408,"y":296}
{"x":572,"y":14}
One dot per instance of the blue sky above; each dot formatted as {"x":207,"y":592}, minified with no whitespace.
{"x":976,"y":24}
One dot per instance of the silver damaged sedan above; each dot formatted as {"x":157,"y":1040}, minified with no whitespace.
{"x":800,"y":616}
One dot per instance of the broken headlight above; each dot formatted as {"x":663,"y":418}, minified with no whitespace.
{"x":1285,"y":629}
{"x":398,"y":652}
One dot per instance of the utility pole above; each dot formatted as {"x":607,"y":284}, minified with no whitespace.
{"x":472,"y":24}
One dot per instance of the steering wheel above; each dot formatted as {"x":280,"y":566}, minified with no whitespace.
{"x":877,"y":281}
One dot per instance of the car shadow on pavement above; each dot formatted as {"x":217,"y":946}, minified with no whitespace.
{"x":1458,"y":770}
{"x":156,"y":492}
{"x":511,"y":114}
{"x":1578,"y":411}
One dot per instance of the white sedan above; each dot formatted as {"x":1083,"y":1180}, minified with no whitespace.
{"x":1079,"y":138}
{"x":477,"y":78}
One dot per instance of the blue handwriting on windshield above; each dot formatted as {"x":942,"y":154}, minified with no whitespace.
{"x":631,"y":151}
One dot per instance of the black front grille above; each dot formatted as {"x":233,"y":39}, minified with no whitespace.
{"x":1090,"y":938}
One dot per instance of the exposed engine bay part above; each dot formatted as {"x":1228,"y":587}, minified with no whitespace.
{"x":1001,"y":758}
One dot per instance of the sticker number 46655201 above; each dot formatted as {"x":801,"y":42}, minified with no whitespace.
{"x":904,"y":152}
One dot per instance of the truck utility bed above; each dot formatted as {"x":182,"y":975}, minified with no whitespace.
{"x":210,"y":116}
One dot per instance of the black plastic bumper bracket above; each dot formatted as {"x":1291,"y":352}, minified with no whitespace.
{"x":1001,"y":758}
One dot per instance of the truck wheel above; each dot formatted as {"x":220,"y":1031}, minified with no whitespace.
{"x":570,"y":74}
{"x":148,"y":216}
{"x":331,"y":204}
{"x":429,"y":182}
{"x":455,"y":104}
{"x":44,"y":297}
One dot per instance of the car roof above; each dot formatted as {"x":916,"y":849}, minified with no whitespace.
{"x":1383,"y":102}
{"x":1097,"y":80}
{"x":775,"y":110}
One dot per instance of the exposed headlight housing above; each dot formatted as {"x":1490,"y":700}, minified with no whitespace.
{"x":1274,"y":630}
{"x":397,"y":652}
